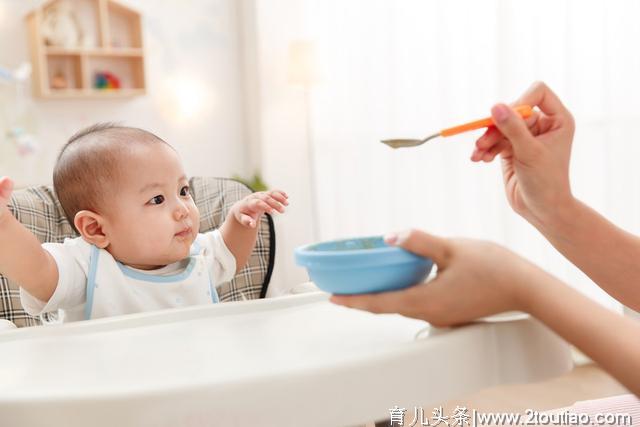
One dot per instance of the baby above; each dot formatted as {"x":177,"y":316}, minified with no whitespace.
{"x":125,"y":192}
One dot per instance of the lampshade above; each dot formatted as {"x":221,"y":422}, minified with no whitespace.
{"x":302,"y":64}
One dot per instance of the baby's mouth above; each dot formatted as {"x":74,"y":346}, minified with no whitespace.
{"x":185,"y":232}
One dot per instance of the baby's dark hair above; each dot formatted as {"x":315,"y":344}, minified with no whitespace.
{"x":87,"y":167}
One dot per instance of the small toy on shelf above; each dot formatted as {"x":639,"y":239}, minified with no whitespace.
{"x":106,"y":80}
{"x":59,"y":81}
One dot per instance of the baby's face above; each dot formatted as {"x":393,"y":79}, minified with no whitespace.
{"x":151,"y":220}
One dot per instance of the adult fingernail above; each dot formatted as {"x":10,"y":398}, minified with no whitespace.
{"x":391,"y":238}
{"x":501,"y":113}
{"x":395,"y":238}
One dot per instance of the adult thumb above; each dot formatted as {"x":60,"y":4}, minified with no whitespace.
{"x":514,"y":128}
{"x":422,"y":244}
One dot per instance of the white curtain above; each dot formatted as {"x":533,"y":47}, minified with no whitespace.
{"x":409,"y":68}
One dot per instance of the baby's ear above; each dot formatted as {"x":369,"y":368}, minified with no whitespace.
{"x":89,"y":225}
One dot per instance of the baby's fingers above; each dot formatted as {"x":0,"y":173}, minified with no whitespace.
{"x":280,"y":196}
{"x":271,"y":201}
{"x":257,"y":206}
{"x":6,"y":187}
{"x":247,"y":220}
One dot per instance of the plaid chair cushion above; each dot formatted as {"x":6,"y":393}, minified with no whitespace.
{"x":38,"y":209}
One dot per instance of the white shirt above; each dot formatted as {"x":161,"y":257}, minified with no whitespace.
{"x":92,"y":284}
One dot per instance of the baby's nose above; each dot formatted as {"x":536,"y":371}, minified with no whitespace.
{"x":181,"y":211}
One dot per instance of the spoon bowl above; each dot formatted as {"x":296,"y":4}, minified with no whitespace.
{"x":403,"y":143}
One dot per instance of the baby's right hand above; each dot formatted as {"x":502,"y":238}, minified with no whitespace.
{"x":6,"y":188}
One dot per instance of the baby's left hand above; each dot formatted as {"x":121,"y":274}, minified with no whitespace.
{"x":249,"y":210}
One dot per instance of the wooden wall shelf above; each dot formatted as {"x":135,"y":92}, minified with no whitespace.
{"x":113,"y":44}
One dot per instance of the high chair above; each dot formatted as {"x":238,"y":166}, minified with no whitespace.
{"x":38,"y":209}
{"x":288,"y":361}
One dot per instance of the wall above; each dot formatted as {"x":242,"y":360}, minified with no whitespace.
{"x":281,"y":125}
{"x":198,"y":52}
{"x":212,"y":50}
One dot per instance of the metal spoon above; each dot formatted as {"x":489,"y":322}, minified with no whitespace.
{"x":523,"y":110}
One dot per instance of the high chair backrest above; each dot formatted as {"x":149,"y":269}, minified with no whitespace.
{"x":39,"y":210}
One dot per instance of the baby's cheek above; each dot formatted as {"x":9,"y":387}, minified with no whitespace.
{"x":152,"y":239}
{"x":195,"y":218}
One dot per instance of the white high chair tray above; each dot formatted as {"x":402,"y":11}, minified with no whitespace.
{"x":298,"y":360}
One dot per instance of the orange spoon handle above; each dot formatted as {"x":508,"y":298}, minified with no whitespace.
{"x":524,"y":111}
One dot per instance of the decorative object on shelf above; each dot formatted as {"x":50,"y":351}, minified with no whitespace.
{"x":16,"y":113}
{"x":106,"y":80}
{"x":256,"y":183}
{"x":74,"y":42}
{"x":88,"y":41}
{"x":60,"y":26}
{"x":59,"y":81}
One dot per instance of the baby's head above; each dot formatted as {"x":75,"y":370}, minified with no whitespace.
{"x":124,"y":190}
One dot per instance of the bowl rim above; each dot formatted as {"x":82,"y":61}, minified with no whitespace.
{"x":304,"y":249}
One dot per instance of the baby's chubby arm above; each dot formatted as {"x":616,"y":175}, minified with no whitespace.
{"x":240,"y":229}
{"x":22,"y":257}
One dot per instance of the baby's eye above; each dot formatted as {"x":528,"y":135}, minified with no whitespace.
{"x":184,"y":191}
{"x":156,"y":200}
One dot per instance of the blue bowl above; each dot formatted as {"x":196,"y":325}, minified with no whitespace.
{"x":363,"y":265}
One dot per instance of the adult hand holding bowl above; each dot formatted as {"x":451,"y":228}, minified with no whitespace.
{"x":475,"y":279}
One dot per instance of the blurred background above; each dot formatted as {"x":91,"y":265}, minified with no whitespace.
{"x":300,"y":92}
